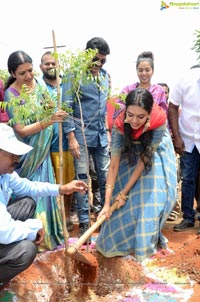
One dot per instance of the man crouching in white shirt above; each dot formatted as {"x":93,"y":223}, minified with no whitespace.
{"x":20,"y":233}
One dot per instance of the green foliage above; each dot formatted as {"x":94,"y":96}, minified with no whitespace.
{"x":66,"y":109}
{"x":121,"y":97}
{"x":196,"y":46}
{"x":117,"y":97}
{"x":31,"y":106}
{"x":74,"y":66}
{"x":4,"y":75}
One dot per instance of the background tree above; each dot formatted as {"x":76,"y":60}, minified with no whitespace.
{"x":196,"y":46}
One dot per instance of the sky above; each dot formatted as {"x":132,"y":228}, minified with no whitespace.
{"x":129,"y":27}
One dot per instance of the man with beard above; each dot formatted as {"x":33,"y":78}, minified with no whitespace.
{"x":48,"y":68}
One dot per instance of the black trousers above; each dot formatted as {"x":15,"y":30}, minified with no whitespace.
{"x":17,"y":256}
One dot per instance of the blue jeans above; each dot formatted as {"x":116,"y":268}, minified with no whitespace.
{"x":101,"y":159}
{"x":96,"y":205}
{"x":189,"y":163}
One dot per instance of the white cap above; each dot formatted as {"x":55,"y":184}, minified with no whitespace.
{"x":10,"y":143}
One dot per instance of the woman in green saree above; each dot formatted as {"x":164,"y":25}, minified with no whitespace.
{"x":36,"y":165}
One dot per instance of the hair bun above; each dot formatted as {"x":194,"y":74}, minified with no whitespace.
{"x":146,"y":54}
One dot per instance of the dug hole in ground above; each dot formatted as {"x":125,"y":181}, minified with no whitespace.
{"x":169,"y":276}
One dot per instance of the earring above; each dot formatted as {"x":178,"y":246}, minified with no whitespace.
{"x":147,"y":124}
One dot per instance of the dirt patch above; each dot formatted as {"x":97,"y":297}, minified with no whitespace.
{"x":172,"y":275}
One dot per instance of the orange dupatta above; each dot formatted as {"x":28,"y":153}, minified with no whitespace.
{"x":158,"y":118}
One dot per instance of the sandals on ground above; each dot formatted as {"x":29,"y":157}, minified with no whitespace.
{"x":173,"y":216}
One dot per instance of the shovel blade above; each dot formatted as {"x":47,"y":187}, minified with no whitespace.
{"x":82,"y":256}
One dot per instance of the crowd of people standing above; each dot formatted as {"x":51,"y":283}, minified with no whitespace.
{"x":131,"y":148}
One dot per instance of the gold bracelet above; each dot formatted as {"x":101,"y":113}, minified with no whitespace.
{"x":109,"y":186}
{"x":123,"y":196}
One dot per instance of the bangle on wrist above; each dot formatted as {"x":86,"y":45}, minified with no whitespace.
{"x":123,"y":196}
{"x":44,"y":125}
{"x":107,"y":186}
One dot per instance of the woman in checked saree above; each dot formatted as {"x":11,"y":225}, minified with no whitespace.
{"x":141,"y":178}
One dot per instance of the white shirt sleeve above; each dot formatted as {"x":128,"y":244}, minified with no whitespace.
{"x":23,"y":186}
{"x":14,"y":230}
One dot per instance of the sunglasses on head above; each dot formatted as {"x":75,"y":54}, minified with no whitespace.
{"x":102,"y":61}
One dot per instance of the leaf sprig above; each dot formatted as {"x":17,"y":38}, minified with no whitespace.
{"x":196,"y":46}
{"x":31,"y":106}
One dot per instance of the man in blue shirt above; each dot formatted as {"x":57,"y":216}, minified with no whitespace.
{"x":20,"y":233}
{"x":93,"y":98}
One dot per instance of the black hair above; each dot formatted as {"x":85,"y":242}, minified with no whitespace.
{"x":143,"y":98}
{"x":164,"y":85}
{"x":49,"y":53}
{"x":14,"y":60}
{"x":145,"y":56}
{"x":100,"y":44}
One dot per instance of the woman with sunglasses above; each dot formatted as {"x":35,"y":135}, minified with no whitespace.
{"x":93,"y":99}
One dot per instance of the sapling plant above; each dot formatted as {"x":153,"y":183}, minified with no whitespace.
{"x":74,"y":66}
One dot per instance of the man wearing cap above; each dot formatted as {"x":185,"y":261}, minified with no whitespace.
{"x":20,"y":233}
